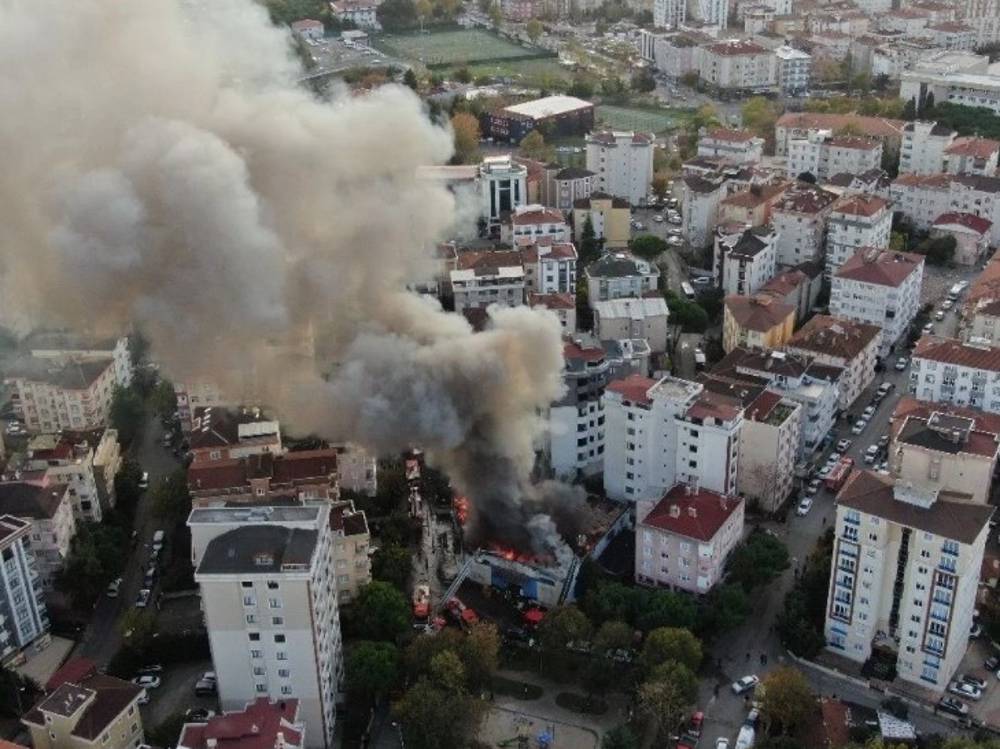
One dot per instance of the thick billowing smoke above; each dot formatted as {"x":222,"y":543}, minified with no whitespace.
{"x":162,"y":168}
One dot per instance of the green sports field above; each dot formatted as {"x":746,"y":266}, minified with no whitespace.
{"x":645,"y":120}
{"x":450,"y":47}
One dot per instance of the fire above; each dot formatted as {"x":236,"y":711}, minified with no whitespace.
{"x":511,"y":554}
{"x":460,"y":506}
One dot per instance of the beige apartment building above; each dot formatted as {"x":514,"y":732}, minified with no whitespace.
{"x":758,"y":321}
{"x":684,"y":539}
{"x":47,"y":506}
{"x":842,"y":343}
{"x":51,"y":395}
{"x":265,"y":478}
{"x":351,"y":547}
{"x":93,"y":711}
{"x":769,"y":446}
{"x":945,"y":447}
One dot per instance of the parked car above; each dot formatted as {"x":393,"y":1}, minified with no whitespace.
{"x":939,"y":315}
{"x":824,"y":471}
{"x":953,"y":706}
{"x":147,"y":681}
{"x":868,"y":412}
{"x":198,"y":714}
{"x":992,"y":663}
{"x":152,"y":668}
{"x":974,"y":681}
{"x":144,"y":481}
{"x":722,"y":743}
{"x":883,"y":441}
{"x":812,"y":488}
{"x":113,"y":587}
{"x":805,"y":504}
{"x":963,"y":689}
{"x":859,"y":426}
{"x":886,"y":387}
{"x":871,"y":453}
{"x":745,"y":684}
{"x":902,"y":363}
{"x":158,"y":537}
{"x":142,"y":600}
{"x":947,"y":304}
{"x":976,"y":630}
{"x":843,"y":446}
{"x":207,"y":685}
{"x":927,"y":329}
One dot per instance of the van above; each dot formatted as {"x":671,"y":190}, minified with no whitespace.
{"x":688,"y":290}
{"x":158,"y":540}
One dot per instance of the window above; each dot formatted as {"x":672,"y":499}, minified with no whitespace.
{"x":281,"y":655}
{"x":274,"y":603}
{"x":256,"y":653}
{"x":258,"y":671}
{"x":246,"y":583}
{"x":262,"y":688}
{"x":279,"y":638}
{"x":251,"y":618}
{"x":284,"y":673}
{"x":278,"y":621}
{"x":272,"y":584}
{"x":286,"y":689}
{"x":254,"y":636}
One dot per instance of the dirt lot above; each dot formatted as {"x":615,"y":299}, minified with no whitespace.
{"x":502,"y":724}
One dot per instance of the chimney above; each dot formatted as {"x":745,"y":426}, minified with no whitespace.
{"x":675,"y":511}
{"x":211,"y":742}
{"x":279,"y":741}
{"x":692,"y":511}
{"x":687,"y":490}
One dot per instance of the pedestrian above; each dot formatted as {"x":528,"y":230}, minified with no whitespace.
{"x":824,"y":520}
{"x":763,"y":658}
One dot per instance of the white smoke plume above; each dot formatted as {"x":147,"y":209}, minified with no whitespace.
{"x":162,"y":168}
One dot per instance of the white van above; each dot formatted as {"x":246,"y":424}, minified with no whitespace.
{"x":158,"y":540}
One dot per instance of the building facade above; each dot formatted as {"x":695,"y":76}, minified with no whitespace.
{"x":842,"y":343}
{"x":619,"y":275}
{"x":856,"y":221}
{"x":945,"y":370}
{"x":622,"y":162}
{"x":576,"y":421}
{"x":769,"y":448}
{"x":800,"y":219}
{"x":758,"y":321}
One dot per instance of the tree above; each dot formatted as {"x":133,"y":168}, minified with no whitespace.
{"x":665,"y":702}
{"x":726,"y":607}
{"x":397,"y":15}
{"x":610,"y":601}
{"x":126,"y":414}
{"x":496,"y":17}
{"x":590,"y":246}
{"x":643,"y":81}
{"x":95,"y":558}
{"x":613,"y":635}
{"x":463,"y":75}
{"x":170,"y":497}
{"x":393,"y":564}
{"x":371,"y":668}
{"x":689,"y":315}
{"x":670,"y":644}
{"x":758,"y":561}
{"x":910,"y":110}
{"x":690,"y":79}
{"x":447,"y":672}
{"x":648,"y":246}
{"x":533,"y":146}
{"x":534,"y":30}
{"x":680,"y":676}
{"x":410,"y":79}
{"x":562,"y":625}
{"x":424,"y":10}
{"x":381,"y":611}
{"x":581,"y":88}
{"x":807,"y":177}
{"x":466,"y":129}
{"x":788,"y":700}
{"x":759,"y":115}
{"x":665,"y":608}
{"x":432,"y":718}
{"x":660,"y":184}
{"x":620,"y":737}
{"x":480,"y":653}
{"x":164,"y":399}
{"x":938,"y":250}
{"x":584,"y":314}
{"x":17,"y":693}
{"x":927,"y":107}
{"x":418,"y":654}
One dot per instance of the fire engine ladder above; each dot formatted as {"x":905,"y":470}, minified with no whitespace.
{"x":570,"y":581}
{"x":456,"y":583}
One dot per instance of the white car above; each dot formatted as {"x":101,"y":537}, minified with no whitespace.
{"x":147,"y":681}
{"x":142,"y":600}
{"x":722,"y":743}
{"x":947,"y":304}
{"x":813,"y":487}
{"x":113,"y":587}
{"x":927,"y":329}
{"x":675,"y":241}
{"x":658,"y":219}
{"x":745,"y":684}
{"x":824,"y":471}
{"x":868,"y":412}
{"x":902,"y":363}
{"x":843,"y":446}
{"x":964,"y":689}
{"x":144,"y":481}
{"x":859,"y":426}
{"x":871,"y":453}
{"x":804,"y":506}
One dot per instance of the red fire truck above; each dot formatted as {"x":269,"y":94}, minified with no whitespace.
{"x":836,"y":478}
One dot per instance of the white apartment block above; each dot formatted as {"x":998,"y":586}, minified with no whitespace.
{"x":799,"y":125}
{"x":713,"y":12}
{"x":673,"y":54}
{"x":47,"y":507}
{"x":735,"y":146}
{"x":841,"y":343}
{"x":503,"y":186}
{"x":856,"y":221}
{"x":978,"y":156}
{"x":486,"y":284}
{"x":669,"y":14}
{"x":359,"y":12}
{"x":62,"y":462}
{"x":533,"y":223}
{"x":646,"y":318}
{"x":984,"y":18}
{"x":576,"y":421}
{"x":662,"y":432}
{"x":622,"y":162}
{"x":747,"y":261}
{"x":700,"y":200}
{"x":923,"y":147}
{"x":881,"y":288}
{"x":684,"y":539}
{"x":905,"y":574}
{"x":964,"y":374}
{"x":922,"y":199}
{"x":23,"y":616}
{"x":549,"y":267}
{"x":952,"y":35}
{"x":800,"y":220}
{"x":270,"y":601}
{"x":967,"y":89}
{"x":52,"y":395}
{"x":769,"y":448}
{"x":737,"y":66}
{"x":793,"y":69}
{"x":619,"y":275}
{"x":823,"y":155}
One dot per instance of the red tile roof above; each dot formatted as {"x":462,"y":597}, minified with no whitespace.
{"x":72,"y":670}
{"x":633,"y":388}
{"x":760,"y":312}
{"x":255,"y":727}
{"x":544,"y":216}
{"x":734,"y":47}
{"x":711,"y":405}
{"x":853,"y":141}
{"x":978,"y":224}
{"x":978,"y":148}
{"x":878,"y":127}
{"x":910,"y":406}
{"x":882,"y":267}
{"x":553,"y":301}
{"x":952,"y":351}
{"x":761,"y":408}
{"x":290,"y":468}
{"x":692,"y":512}
{"x":572,"y":350}
{"x":936,"y":181}
{"x":860,"y":205}
{"x":108,"y":697}
{"x":733,"y":136}
{"x":835,"y":337}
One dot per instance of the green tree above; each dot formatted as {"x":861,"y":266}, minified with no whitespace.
{"x":496,"y":16}
{"x":613,"y":635}
{"x":910,"y":110}
{"x":448,"y":672}
{"x":668,"y":644}
{"x":170,"y":498}
{"x":611,"y":601}
{"x":581,"y":87}
{"x":680,"y":676}
{"x":691,"y":316}
{"x":533,"y":146}
{"x":397,"y":15}
{"x":590,"y":246}
{"x":660,"y":184}
{"x":480,"y":653}
{"x":758,"y":561}
{"x":126,"y":415}
{"x":725,"y":608}
{"x":381,"y":611}
{"x":432,"y":718}
{"x":95,"y":558}
{"x":665,"y":608}
{"x":534,"y":30}
{"x":620,"y":737}
{"x":371,"y":668}
{"x":643,"y":81}
{"x":560,"y":626}
{"x":466,"y":133}
{"x":787,"y":701}
{"x":648,"y":246}
{"x":665,"y":702}
{"x":164,"y":399}
{"x":759,"y":115}
{"x":418,"y":654}
{"x":393,"y":564}
{"x":410,"y":79}
{"x":463,"y":75}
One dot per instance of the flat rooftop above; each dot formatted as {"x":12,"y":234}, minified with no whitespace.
{"x":269,"y":514}
{"x":550,"y":106}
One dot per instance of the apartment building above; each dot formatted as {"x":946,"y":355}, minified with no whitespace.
{"x":194,"y":395}
{"x":661,"y":432}
{"x":50,"y":395}
{"x":769,"y":448}
{"x":261,"y":724}
{"x":576,"y":421}
{"x":562,"y":306}
{"x":905,"y":571}
{"x":971,"y":234}
{"x":737,"y":66}
{"x":924,"y":144}
{"x":872,"y":182}
{"x":485,"y":278}
{"x":265,"y":479}
{"x":751,"y":207}
{"x":534,"y":223}
{"x":977,"y":156}
{"x":799,"y":287}
{"x":622,"y":162}
{"x":813,"y":385}
{"x":644,"y":318}
{"x":360,"y":13}
{"x":61,"y":346}
{"x":968,"y":89}
{"x":269,"y":596}
{"x":734,"y":146}
{"x":758,"y":321}
{"x":684,"y":539}
{"x":219,"y":433}
{"x":673,"y":54}
{"x":54,"y":458}
{"x":549,"y":267}
{"x":800,"y":219}
{"x":351,"y":549}
{"x":46,"y":506}
{"x":841,"y":343}
{"x":944,"y":447}
{"x":610,"y":217}
{"x":619,"y":275}
{"x":856,"y":221}
{"x":669,"y":14}
{"x":712,"y":12}
{"x":503,"y":186}
{"x":881,"y":288}
{"x":823,"y":154}
{"x":570,"y":185}
{"x":798,"y":125}
{"x":793,"y":70}
{"x":700,"y":200}
{"x":945,"y":370}
{"x":24,"y":620}
{"x":745,"y":260}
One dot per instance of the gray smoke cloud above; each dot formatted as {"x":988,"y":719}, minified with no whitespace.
{"x":162,"y":168}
